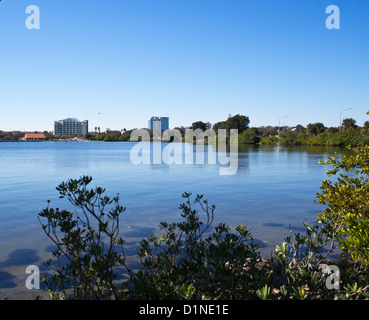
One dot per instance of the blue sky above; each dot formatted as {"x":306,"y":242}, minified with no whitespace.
{"x":118,"y":62}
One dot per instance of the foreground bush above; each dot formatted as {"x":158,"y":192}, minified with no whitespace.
{"x":188,"y":259}
{"x":86,"y":242}
{"x":347,"y":202}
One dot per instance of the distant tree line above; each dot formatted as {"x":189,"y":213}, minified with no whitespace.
{"x":313,"y":134}
{"x":10,"y":136}
{"x":317,"y":134}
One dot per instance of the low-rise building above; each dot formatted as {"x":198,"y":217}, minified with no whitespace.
{"x":37,"y":137}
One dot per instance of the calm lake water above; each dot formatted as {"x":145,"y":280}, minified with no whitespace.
{"x":274,"y":188}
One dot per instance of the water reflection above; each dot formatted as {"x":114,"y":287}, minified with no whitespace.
{"x":273,"y":188}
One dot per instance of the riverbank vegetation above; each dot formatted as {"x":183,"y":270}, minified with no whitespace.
{"x":318,"y":135}
{"x":12,"y":136}
{"x":314,"y":134}
{"x":192,"y":259}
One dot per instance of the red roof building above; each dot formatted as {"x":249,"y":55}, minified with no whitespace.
{"x":34,"y":137}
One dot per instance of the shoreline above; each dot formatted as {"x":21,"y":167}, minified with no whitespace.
{"x":242,"y":144}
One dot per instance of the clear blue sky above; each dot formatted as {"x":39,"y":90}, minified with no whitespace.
{"x":118,"y":62}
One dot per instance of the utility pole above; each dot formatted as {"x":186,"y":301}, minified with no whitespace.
{"x":340,"y":127}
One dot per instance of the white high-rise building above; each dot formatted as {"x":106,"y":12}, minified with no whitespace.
{"x":71,"y":126}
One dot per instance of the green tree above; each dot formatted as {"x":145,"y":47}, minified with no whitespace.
{"x":332,"y":130}
{"x":268,"y":131}
{"x":314,"y":129}
{"x":348,"y":124}
{"x":199,"y":125}
{"x":300,"y":129}
{"x":88,"y":136}
{"x":248,"y":137}
{"x":289,"y":138}
{"x":365,"y":129}
{"x":347,"y":202}
{"x":239,"y":122}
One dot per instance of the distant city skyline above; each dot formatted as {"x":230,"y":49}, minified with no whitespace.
{"x":119,"y":62}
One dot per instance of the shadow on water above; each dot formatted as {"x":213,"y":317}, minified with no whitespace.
{"x":20,"y":257}
{"x":289,"y":227}
{"x":6,"y":280}
{"x":274,"y":225}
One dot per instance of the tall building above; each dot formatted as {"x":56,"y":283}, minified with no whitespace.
{"x":156,"y":123}
{"x":71,"y":126}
